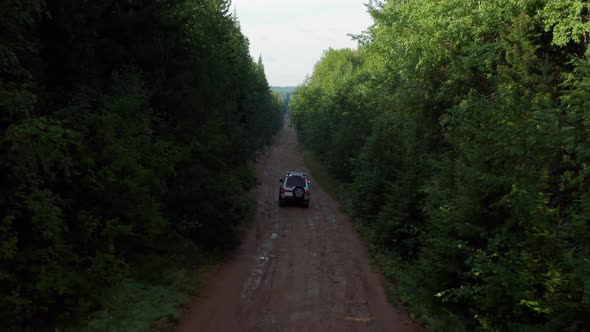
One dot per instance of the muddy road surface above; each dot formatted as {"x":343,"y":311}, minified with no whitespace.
{"x":298,"y":269}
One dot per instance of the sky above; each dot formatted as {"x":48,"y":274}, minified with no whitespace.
{"x":292,"y":34}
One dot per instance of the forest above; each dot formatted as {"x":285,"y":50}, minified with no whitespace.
{"x":459,"y":130}
{"x":285,"y":93}
{"x":127,"y":132}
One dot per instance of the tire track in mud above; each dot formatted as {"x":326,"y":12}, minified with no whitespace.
{"x":298,"y":269}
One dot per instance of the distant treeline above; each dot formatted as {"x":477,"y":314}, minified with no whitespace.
{"x":462,"y":130}
{"x":285,"y":89}
{"x":285,"y":93}
{"x":126,"y":128}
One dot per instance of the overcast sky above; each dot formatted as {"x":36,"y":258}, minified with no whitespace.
{"x":292,"y":34}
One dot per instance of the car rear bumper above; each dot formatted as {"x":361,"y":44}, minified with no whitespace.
{"x":286,"y":198}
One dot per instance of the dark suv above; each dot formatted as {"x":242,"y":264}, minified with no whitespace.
{"x":294,"y":188}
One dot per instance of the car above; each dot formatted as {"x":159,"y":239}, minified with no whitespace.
{"x":295,"y":188}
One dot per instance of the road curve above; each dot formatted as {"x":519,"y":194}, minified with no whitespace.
{"x":297,"y":270}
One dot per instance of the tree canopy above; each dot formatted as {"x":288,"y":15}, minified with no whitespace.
{"x":461,"y":130}
{"x":126,"y":128}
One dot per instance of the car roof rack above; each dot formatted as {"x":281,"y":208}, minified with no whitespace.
{"x":302,"y":174}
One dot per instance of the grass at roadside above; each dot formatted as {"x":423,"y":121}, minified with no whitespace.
{"x":152,"y":304}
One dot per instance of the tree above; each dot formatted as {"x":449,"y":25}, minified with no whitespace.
{"x":468,"y":176}
{"x":126,"y":132}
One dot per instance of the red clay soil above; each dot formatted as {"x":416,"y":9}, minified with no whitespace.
{"x":298,"y":269}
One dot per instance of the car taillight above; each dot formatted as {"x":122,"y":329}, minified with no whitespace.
{"x":307,"y":192}
{"x":282,"y":190}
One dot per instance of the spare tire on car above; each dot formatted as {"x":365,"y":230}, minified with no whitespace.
{"x":298,"y":192}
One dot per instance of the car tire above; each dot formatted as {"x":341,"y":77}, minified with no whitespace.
{"x":299,"y":190}
{"x":281,"y":203}
{"x":306,"y":204}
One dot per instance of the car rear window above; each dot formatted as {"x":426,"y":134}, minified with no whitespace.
{"x":295,"y":181}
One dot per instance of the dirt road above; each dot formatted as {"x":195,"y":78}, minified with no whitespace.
{"x":298,"y":269}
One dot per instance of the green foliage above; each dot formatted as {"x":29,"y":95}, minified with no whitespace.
{"x":568,"y":20}
{"x":332,"y":105}
{"x":126,"y":129}
{"x":284,"y":93}
{"x":136,"y":306}
{"x":469,"y":174}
